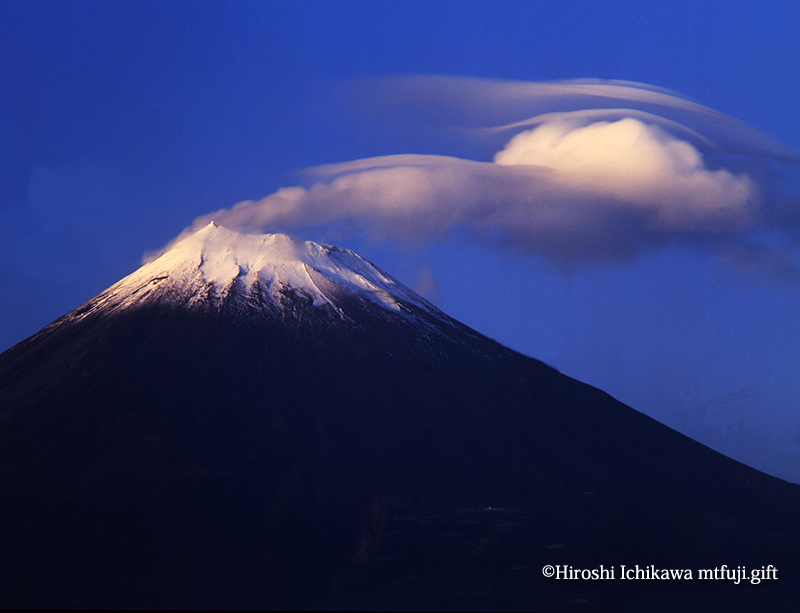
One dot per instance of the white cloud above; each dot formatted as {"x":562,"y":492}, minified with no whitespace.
{"x":571,"y":185}
{"x":638,"y":165}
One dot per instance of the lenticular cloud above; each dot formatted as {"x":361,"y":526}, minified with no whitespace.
{"x":639,"y":166}
{"x":570,"y":184}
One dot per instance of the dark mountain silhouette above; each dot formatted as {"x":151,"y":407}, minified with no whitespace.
{"x":251,"y":422}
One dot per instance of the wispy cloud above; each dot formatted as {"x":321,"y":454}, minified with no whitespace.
{"x":582,"y":171}
{"x":492,"y":108}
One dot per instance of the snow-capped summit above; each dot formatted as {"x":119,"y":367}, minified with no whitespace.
{"x":216,"y":266}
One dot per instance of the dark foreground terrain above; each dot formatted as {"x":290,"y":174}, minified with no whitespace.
{"x":158,"y":457}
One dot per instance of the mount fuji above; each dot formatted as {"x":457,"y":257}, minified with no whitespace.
{"x":250,"y":421}
{"x":218,"y":269}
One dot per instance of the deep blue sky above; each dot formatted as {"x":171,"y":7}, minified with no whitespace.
{"x":124,"y":121}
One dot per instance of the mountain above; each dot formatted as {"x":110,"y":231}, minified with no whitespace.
{"x":256,"y":422}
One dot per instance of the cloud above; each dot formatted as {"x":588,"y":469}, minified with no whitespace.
{"x":425,"y":284}
{"x":640,"y":166}
{"x":490,"y":108}
{"x":573,"y":186}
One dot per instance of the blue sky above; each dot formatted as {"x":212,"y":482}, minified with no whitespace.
{"x":123,"y":122}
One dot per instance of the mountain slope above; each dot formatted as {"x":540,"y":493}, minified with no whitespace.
{"x":255,"y":422}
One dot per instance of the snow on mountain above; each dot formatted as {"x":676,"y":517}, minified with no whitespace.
{"x":214,"y":262}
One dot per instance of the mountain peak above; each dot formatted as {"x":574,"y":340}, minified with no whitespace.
{"x":215,"y":264}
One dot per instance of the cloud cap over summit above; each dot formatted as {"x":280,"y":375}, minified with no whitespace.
{"x":593,"y":171}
